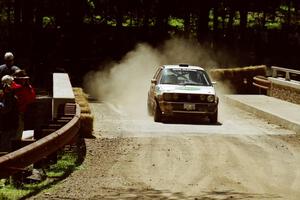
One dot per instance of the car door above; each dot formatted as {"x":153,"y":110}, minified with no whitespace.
{"x":151,"y":93}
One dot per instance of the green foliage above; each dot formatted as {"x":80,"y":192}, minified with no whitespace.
{"x":273,"y":25}
{"x":111,"y":22}
{"x":286,"y":8}
{"x":255,"y":19}
{"x":11,"y":193}
{"x":137,"y":10}
{"x":211,"y":14}
{"x":258,"y":19}
{"x":64,"y":166}
{"x":48,"y":21}
{"x":130,"y":21}
{"x":211,"y":25}
{"x":98,"y":12}
{"x":91,"y":4}
{"x":177,"y":23}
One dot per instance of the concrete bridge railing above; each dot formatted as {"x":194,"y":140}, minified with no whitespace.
{"x":287,"y":72}
{"x":285,"y":87}
{"x":62,"y":92}
{"x":283,"y":84}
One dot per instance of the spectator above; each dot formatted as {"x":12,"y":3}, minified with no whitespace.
{"x":8,"y":68}
{"x":25,"y":95}
{"x":8,"y":114}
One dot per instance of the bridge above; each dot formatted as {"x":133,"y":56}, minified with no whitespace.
{"x":251,"y":153}
{"x":281,"y":106}
{"x":48,"y":135}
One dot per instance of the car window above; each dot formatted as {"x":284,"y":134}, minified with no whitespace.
{"x":168,"y":77}
{"x":184,"y":76}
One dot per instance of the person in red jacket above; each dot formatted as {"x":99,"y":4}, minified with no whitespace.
{"x":25,"y":95}
{"x":24,"y":91}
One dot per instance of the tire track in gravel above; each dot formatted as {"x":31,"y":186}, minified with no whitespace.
{"x":134,"y":158}
{"x":215,"y":163}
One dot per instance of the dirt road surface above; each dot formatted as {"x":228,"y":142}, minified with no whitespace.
{"x":242,"y":157}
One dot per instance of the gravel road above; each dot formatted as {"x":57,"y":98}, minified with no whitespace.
{"x":242,"y":157}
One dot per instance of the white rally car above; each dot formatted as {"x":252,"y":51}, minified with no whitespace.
{"x":182,"y":90}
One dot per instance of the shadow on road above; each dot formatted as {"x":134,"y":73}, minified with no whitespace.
{"x":131,"y":194}
{"x":190,"y":120}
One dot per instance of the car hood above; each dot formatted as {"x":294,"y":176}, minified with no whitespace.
{"x":186,"y":89}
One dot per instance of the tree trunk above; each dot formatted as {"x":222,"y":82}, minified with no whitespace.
{"x":202,"y":24}
{"x":231,"y":20}
{"x":216,"y":21}
{"x":18,"y":11}
{"x":243,"y":19}
{"x":187,"y":24}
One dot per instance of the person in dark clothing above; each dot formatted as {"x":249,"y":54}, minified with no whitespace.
{"x":9,"y":115}
{"x":8,"y":68}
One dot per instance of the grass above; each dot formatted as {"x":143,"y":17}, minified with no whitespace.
{"x":68,"y":160}
{"x":67,"y":163}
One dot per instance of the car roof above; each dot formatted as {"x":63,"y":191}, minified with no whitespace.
{"x":182,"y":66}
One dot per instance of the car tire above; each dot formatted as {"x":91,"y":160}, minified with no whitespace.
{"x":157,"y":114}
{"x":214,"y":118}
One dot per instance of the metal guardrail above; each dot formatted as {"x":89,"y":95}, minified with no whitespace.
{"x":285,"y":70}
{"x":262,"y":82}
{"x":36,"y":151}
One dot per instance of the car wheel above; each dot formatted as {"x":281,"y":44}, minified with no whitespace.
{"x":157,"y":114}
{"x":214,"y":118}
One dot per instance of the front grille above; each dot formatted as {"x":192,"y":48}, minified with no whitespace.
{"x":191,"y":98}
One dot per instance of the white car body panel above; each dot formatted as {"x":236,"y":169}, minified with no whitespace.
{"x":185,"y":89}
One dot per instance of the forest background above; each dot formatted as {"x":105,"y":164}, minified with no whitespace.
{"x":77,"y":36}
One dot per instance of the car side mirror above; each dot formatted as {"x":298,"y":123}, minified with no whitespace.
{"x":154,"y":81}
{"x":214,"y":82}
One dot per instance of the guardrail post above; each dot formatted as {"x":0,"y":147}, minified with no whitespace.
{"x":287,"y":76}
{"x":274,"y":73}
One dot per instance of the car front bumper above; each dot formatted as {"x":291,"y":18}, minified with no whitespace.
{"x":173,"y":108}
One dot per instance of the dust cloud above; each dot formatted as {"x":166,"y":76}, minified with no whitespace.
{"x":179,"y":50}
{"x":125,"y":84}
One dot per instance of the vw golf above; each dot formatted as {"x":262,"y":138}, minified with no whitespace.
{"x":182,"y":90}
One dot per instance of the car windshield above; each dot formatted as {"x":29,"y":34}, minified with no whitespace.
{"x":184,"y":76}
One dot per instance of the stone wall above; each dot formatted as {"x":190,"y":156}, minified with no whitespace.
{"x":38,"y":113}
{"x":285,"y":92}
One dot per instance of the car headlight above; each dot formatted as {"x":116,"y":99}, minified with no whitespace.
{"x":210,"y":98}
